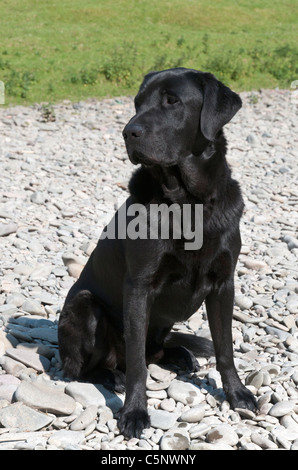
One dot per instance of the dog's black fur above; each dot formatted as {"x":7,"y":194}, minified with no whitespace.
{"x":118,"y":316}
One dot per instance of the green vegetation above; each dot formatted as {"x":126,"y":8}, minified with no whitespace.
{"x":52,"y":50}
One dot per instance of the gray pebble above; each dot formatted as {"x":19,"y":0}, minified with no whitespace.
{"x":245,"y":303}
{"x":282,"y":408}
{"x":30,"y":359}
{"x":173,"y":440}
{"x":223,"y":434}
{"x":11,"y":366}
{"x":160,"y":374}
{"x":46,"y":334}
{"x":45,"y":398}
{"x":7,"y":229}
{"x":33,"y":307}
{"x":38,"y":197}
{"x":85,"y":418}
{"x":185,"y":392}
{"x":263,"y":441}
{"x":162,"y":419}
{"x":193,"y":415}
{"x":255,"y":378}
{"x":64,"y":438}
{"x":23,"y":418}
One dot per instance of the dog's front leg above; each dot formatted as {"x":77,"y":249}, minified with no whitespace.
{"x":219,"y":305}
{"x":134,"y":416}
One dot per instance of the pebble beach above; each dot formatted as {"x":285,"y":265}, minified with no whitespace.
{"x":63,"y":174}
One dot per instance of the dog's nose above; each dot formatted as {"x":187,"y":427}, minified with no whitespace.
{"x":132,"y":131}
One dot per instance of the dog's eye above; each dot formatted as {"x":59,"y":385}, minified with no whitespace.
{"x":172,"y":99}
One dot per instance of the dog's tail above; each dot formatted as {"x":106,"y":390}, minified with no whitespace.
{"x":201,"y":347}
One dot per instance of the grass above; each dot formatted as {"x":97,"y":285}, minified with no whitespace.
{"x":52,"y":50}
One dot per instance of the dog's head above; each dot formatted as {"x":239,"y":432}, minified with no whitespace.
{"x":177,"y":111}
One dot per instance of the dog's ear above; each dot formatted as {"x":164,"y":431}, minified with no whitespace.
{"x":220,"y":104}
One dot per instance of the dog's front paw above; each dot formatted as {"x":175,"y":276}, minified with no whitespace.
{"x":132,"y":422}
{"x":242,"y":398}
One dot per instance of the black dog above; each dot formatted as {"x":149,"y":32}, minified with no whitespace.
{"x":118,"y":315}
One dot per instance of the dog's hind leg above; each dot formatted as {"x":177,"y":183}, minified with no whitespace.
{"x":87,"y":343}
{"x":76,"y":333}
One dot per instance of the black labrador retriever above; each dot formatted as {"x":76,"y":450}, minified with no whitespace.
{"x":119,"y":314}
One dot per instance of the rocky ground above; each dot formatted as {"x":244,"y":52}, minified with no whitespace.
{"x":63,"y":171}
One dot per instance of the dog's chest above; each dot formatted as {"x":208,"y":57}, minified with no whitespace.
{"x":183,"y":282}
{"x":180,"y":288}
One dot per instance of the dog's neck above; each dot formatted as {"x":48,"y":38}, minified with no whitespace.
{"x":200,"y":173}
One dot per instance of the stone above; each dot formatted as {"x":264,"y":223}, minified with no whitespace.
{"x":263,"y":441}
{"x":9,"y":379}
{"x":75,"y":269}
{"x":23,"y":269}
{"x":282,"y":335}
{"x":199,"y":430}
{"x":85,"y":418}
{"x":282,"y":408}
{"x":38,"y":348}
{"x":7,"y":310}
{"x":24,"y":418}
{"x":255,"y":378}
{"x":11,"y":366}
{"x":69,"y":258}
{"x":253,"y":140}
{"x":174,"y":440}
{"x":45,"y":398}
{"x":193,"y":415}
{"x":245,"y":413}
{"x":64,"y":438}
{"x":30,"y":359}
{"x":16,"y":298}
{"x":185,"y":392}
{"x":263,"y":301}
{"x":105,"y":414}
{"x":292,"y":303}
{"x":207,"y":446}
{"x":6,"y":341}
{"x":93,"y":394}
{"x":162,"y":419}
{"x":33,"y":307}
{"x":46,"y":334}
{"x":7,"y":229}
{"x":41,"y":271}
{"x":168,"y":404}
{"x":154,"y":386}
{"x":223,"y":434}
{"x":159,"y":394}
{"x":8,"y":385}
{"x":38,"y":197}
{"x":161,"y":374}
{"x":7,"y":391}
{"x":214,"y":378}
{"x":245,"y":303}
{"x":257,"y":265}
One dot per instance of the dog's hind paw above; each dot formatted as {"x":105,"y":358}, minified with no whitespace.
{"x":181,"y":358}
